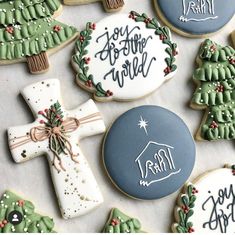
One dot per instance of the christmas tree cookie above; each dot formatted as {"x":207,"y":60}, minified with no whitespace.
{"x":215,"y":91}
{"x":109,"y":5}
{"x":28,"y":32}
{"x":18,"y":216}
{"x":121,"y":223}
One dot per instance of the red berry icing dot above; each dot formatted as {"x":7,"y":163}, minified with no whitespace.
{"x":214,"y":125}
{"x":10,"y":29}
{"x":57,"y":28}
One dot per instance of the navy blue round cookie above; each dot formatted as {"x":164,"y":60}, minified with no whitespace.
{"x":195,"y":17}
{"x":149,"y":152}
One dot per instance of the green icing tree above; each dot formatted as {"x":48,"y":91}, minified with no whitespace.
{"x":121,"y":223}
{"x":215,"y":91}
{"x":28,"y":31}
{"x":28,"y":220}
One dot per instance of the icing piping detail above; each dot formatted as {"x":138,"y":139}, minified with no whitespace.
{"x":185,"y":210}
{"x":200,"y":9}
{"x":56,"y":130}
{"x":216,"y":90}
{"x":83,"y":61}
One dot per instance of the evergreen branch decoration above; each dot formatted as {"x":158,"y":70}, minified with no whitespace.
{"x":185,"y":211}
{"x":82,"y":61}
{"x":53,"y":120}
{"x":164,"y":34}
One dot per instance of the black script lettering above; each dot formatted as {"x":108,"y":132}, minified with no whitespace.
{"x":220,"y":217}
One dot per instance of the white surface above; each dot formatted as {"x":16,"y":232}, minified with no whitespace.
{"x":32,"y":179}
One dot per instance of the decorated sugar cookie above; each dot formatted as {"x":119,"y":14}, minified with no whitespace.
{"x":148,"y":152}
{"x":109,"y":5}
{"x":56,"y":132}
{"x":207,"y":204}
{"x":18,"y":216}
{"x":29,"y":33}
{"x":215,"y":91}
{"x":118,"y":222}
{"x":233,"y":38}
{"x":195,"y":18}
{"x":124,"y":57}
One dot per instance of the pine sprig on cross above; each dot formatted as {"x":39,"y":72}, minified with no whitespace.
{"x":53,"y":117}
{"x":215,"y":91}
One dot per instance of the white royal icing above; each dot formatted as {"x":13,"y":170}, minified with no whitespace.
{"x":215,"y":202}
{"x":76,"y":187}
{"x":202,"y":10}
{"x":143,"y":75}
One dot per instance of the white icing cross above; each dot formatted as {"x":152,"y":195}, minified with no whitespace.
{"x":56,"y":132}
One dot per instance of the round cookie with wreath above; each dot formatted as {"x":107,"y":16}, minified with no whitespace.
{"x":126,"y":60}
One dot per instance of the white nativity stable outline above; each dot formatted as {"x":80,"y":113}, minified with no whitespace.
{"x":200,"y":8}
{"x":143,"y":123}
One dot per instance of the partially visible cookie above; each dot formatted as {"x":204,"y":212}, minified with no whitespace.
{"x":195,"y":18}
{"x":124,"y":57}
{"x":29,"y":33}
{"x":207,"y":204}
{"x":18,"y":216}
{"x":118,"y":222}
{"x":215,"y":91}
{"x":109,"y":5}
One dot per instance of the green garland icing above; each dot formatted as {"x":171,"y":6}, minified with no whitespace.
{"x":216,"y":90}
{"x":164,"y":34}
{"x":31,"y":223}
{"x":185,"y":210}
{"x":82,"y":61}
{"x":121,"y":223}
{"x":27,"y":28}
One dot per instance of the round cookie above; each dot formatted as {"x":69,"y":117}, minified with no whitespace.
{"x":195,"y":18}
{"x":126,"y":60}
{"x":207,"y":204}
{"x":149,"y":152}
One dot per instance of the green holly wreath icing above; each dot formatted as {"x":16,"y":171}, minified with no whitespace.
{"x":82,"y":61}
{"x":185,"y":210}
{"x":27,"y":28}
{"x":216,"y":90}
{"x":30,"y":221}
{"x":121,"y":223}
